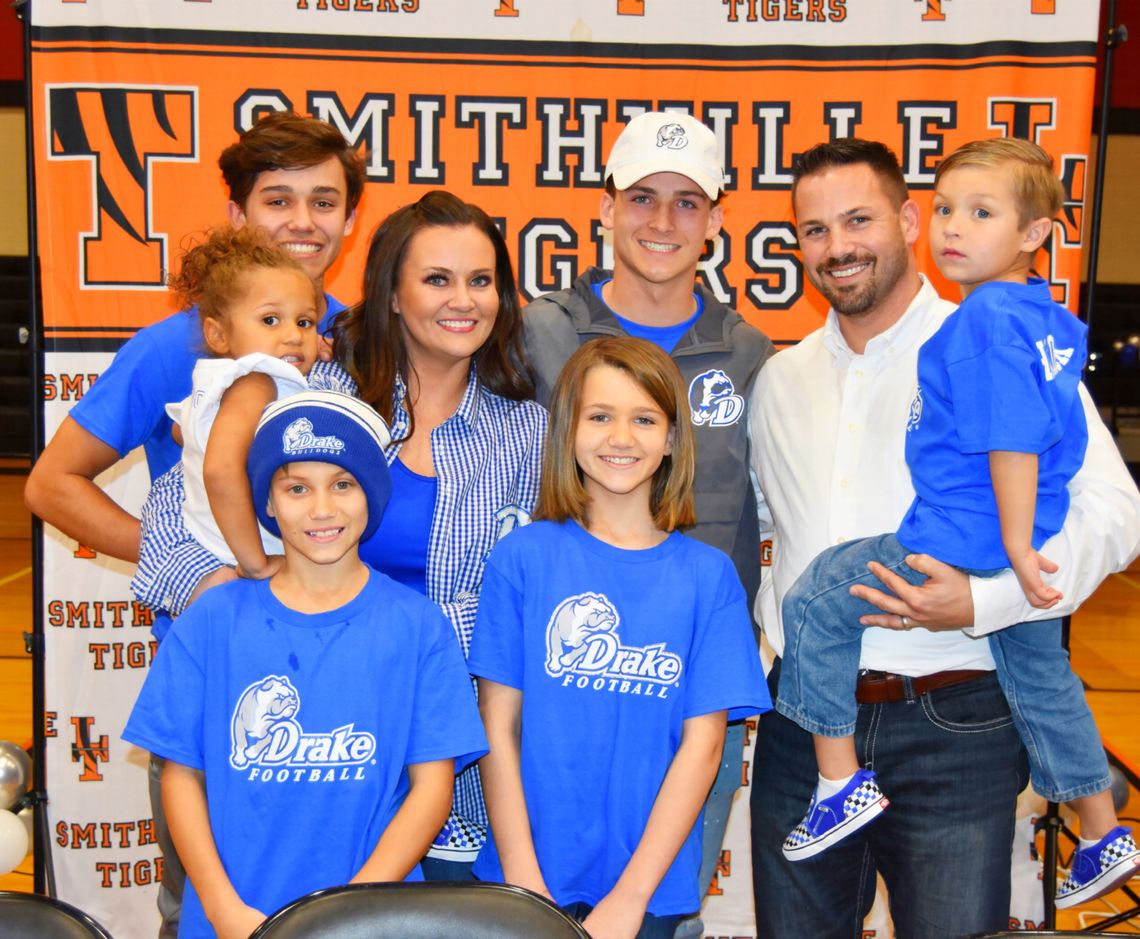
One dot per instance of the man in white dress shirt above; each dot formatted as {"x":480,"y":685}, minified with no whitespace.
{"x":829,"y":419}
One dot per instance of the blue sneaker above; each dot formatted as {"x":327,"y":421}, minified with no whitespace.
{"x":830,"y":820}
{"x":460,"y":840}
{"x":1100,"y":869}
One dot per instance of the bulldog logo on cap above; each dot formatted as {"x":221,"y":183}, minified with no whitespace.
{"x":299,"y":437}
{"x":672,"y":136}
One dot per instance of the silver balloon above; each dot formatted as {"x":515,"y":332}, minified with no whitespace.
{"x":15,"y":773}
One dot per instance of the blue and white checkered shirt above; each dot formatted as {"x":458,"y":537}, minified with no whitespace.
{"x":488,"y":459}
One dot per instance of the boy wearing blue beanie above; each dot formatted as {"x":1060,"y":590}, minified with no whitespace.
{"x":312,"y":723}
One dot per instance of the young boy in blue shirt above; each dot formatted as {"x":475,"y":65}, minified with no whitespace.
{"x":312,"y":723}
{"x":994,"y":435}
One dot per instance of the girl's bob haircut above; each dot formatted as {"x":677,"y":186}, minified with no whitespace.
{"x":563,"y":495}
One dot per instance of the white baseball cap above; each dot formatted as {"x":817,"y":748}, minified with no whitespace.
{"x":666,"y":142}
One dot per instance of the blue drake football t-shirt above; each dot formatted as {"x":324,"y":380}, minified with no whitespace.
{"x":613,"y":650}
{"x":303,"y":725}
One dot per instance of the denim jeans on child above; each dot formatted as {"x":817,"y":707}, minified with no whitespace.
{"x":822,"y":641}
{"x":652,"y":927}
{"x":952,"y":764}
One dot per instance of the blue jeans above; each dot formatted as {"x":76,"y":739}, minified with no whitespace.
{"x":953,"y":765}
{"x":822,"y":640}
{"x":652,"y":927}
{"x":440,"y":870}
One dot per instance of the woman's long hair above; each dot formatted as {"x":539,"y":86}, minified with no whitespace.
{"x":369,"y":339}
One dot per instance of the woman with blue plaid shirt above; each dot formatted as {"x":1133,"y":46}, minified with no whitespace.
{"x":436,"y":348}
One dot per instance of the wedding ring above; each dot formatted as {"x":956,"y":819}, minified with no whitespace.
{"x":906,"y":624}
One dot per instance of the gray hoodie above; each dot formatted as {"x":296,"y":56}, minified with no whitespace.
{"x":719,"y":358}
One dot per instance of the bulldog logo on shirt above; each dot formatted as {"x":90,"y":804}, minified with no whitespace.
{"x":268,"y":742}
{"x":507,"y":519}
{"x":584,"y":650}
{"x":262,"y":706}
{"x":713,"y":399}
{"x":578,"y":625}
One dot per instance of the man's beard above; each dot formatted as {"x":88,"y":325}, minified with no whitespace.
{"x":860,"y":300}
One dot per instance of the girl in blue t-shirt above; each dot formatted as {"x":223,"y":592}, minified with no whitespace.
{"x":609,"y":650}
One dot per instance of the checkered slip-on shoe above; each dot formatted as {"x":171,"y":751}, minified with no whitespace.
{"x":829,"y":821}
{"x":460,"y":840}
{"x":1100,"y":869}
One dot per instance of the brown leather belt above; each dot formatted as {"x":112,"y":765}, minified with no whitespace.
{"x":887,"y":687}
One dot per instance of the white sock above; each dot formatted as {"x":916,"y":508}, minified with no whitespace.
{"x":1086,"y":843}
{"x":829,"y":787}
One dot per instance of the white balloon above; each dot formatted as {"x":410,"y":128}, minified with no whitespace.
{"x":27,"y":815}
{"x":13,"y":842}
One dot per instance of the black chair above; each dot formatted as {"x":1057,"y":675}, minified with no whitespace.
{"x":27,"y":915}
{"x":1043,"y":935}
{"x":470,"y":910}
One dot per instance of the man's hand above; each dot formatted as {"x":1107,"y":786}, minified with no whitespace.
{"x":942,"y":602}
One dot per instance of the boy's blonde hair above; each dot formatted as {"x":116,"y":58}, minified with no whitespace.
{"x":562,"y":495}
{"x":1036,"y":188}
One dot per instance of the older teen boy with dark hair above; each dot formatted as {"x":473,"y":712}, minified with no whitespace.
{"x":297,"y":178}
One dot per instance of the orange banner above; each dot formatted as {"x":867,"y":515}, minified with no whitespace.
{"x":127,"y":157}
